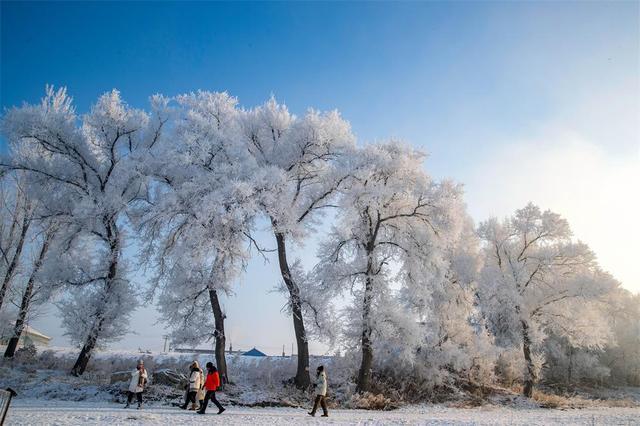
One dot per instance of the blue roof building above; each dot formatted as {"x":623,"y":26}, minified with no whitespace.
{"x":254,"y":352}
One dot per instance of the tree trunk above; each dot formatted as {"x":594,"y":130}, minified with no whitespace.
{"x":13,"y":265}
{"x":90,"y":343}
{"x":530,"y":375}
{"x":569,"y":372}
{"x":366,"y":365}
{"x":87,"y":349}
{"x":302,"y":379}
{"x":219,"y":336}
{"x":364,"y":374}
{"x":26,"y":299}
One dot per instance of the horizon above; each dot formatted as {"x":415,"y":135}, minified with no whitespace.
{"x":549,"y":114}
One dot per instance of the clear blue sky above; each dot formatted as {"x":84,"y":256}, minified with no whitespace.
{"x":519,"y":101}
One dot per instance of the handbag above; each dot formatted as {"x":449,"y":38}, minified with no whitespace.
{"x":201,"y":394}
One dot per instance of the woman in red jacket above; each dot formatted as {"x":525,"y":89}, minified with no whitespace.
{"x":211,"y":384}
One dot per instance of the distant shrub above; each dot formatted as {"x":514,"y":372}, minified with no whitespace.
{"x":26,"y":355}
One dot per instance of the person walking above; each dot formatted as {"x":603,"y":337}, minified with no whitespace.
{"x":211,"y":384}
{"x":321,"y":392}
{"x":201,"y":392}
{"x":195,"y":383}
{"x":137,"y":384}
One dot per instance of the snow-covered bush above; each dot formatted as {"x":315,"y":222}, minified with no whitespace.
{"x":510,"y":366}
{"x":568,"y":366}
{"x":26,"y":355}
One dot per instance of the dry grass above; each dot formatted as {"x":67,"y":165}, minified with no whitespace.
{"x":618,"y":403}
{"x":549,"y":400}
{"x":370,"y":401}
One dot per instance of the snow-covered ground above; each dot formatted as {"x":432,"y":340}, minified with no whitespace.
{"x":38,"y":412}
{"x":47,"y":394}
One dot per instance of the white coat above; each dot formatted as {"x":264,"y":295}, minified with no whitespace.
{"x":195,"y":380}
{"x":321,"y":384}
{"x":202,"y":392}
{"x":135,"y":379}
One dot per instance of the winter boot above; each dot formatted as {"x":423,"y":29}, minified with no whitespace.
{"x":140,"y":406}
{"x":221,"y":410}
{"x":193,"y":407}
{"x":127,"y":405}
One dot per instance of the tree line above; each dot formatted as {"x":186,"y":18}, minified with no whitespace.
{"x":190,"y":181}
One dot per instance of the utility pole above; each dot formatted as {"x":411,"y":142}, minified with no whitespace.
{"x":283,"y":351}
{"x":166,"y":339}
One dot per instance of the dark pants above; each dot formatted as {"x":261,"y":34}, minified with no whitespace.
{"x":130,"y":397}
{"x":320,"y":400}
{"x":211,"y":395}
{"x":191,"y":397}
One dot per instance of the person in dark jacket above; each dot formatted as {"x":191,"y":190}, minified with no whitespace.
{"x":211,"y":383}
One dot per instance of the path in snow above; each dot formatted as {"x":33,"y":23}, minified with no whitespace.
{"x":33,"y":412}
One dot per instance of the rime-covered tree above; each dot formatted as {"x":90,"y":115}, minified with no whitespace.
{"x":535,"y":279}
{"x":622,"y":356}
{"x":83,"y":171}
{"x":16,"y":217}
{"x":450,"y":339}
{"x":199,"y":215}
{"x":301,"y":159}
{"x":391,"y":214}
{"x":40,"y":282}
{"x":29,"y":249}
{"x":223,"y":167}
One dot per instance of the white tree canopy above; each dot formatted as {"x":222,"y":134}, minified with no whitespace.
{"x":536,"y":279}
{"x":84,"y":172}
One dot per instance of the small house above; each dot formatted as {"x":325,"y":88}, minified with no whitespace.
{"x":29,"y":337}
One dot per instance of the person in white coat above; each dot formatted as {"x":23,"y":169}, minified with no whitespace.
{"x":321,"y":392}
{"x":137,"y":384}
{"x":202,"y":391}
{"x":194,"y":386}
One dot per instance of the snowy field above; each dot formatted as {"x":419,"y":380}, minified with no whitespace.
{"x":35,"y":412}
{"x":50,"y":396}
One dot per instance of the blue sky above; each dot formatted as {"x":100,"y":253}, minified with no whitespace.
{"x":519,"y":101}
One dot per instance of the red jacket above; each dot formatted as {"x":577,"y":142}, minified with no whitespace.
{"x":212,"y":382}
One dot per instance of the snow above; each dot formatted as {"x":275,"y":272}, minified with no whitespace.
{"x":34,"y":412}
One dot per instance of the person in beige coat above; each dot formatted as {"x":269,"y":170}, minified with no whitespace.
{"x":202,"y":391}
{"x":137,"y":384}
{"x":195,"y":384}
{"x":321,"y":392}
